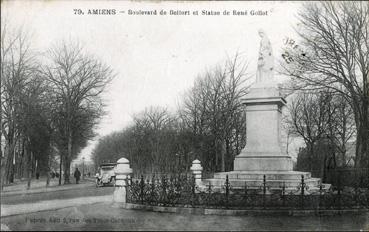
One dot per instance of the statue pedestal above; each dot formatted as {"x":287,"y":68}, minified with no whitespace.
{"x":263,"y":155}
{"x":263,"y":118}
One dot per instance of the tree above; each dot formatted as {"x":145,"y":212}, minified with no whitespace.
{"x":77,"y":81}
{"x":17,"y":71}
{"x":212,"y":110}
{"x":25,"y":118}
{"x":333,"y":53}
{"x":325,"y":122}
{"x":209,"y":126}
{"x":112,"y":147}
{"x":308,"y":118}
{"x":150,"y":143}
{"x":34,"y":124}
{"x":155,"y":135}
{"x":341,"y":129}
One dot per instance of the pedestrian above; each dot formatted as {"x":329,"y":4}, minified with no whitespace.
{"x":77,"y":175}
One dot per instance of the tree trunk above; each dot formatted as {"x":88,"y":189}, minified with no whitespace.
{"x":324,"y":168}
{"x":48,"y":171}
{"x":3,"y":169}
{"x":216,"y":146}
{"x":362,"y":139}
{"x":20,"y":163}
{"x":60,"y":168}
{"x":66,"y":170}
{"x":9,"y":161}
{"x":311,"y":155}
{"x":12,"y":174}
{"x":363,"y":153}
{"x":67,"y":159}
{"x":29,"y":175}
{"x":8,"y":167}
{"x":229,"y":154}
{"x":222,"y":146}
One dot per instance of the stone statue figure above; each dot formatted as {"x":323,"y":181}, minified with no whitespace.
{"x":266,"y":60}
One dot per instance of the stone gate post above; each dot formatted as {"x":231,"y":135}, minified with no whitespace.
{"x":196,"y":169}
{"x":122,"y":171}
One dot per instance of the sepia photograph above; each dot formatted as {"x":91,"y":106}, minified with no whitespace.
{"x":184,"y":115}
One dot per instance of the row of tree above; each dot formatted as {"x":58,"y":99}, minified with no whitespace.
{"x":50,"y":102}
{"x":209,"y":125}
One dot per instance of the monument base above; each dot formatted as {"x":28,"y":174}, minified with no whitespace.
{"x":275,"y":180}
{"x":263,"y":163}
{"x":263,"y":154}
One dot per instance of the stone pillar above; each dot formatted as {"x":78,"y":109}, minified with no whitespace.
{"x":122,"y":171}
{"x":263,"y":150}
{"x":196,"y":169}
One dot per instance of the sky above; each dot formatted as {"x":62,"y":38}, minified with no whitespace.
{"x":155,"y":57}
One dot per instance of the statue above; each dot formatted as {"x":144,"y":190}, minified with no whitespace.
{"x":266,"y":60}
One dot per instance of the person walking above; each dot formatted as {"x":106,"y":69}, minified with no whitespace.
{"x":77,"y":175}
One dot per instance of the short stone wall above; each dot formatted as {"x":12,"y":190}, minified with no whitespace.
{"x":235,"y":212}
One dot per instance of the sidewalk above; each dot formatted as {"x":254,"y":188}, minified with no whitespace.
{"x":10,"y":210}
{"x":19,"y":185}
{"x":39,"y":186}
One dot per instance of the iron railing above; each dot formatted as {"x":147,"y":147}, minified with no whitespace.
{"x":181,"y":190}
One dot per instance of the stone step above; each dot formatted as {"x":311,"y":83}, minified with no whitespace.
{"x":248,"y":175}
{"x":316,"y":188}
{"x":288,"y":189}
{"x":311,"y":182}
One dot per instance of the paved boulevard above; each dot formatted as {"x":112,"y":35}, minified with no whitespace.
{"x":84,"y":191}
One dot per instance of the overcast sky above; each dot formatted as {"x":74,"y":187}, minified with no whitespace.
{"x":156,"y":58}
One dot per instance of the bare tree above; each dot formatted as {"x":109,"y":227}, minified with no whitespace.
{"x":333,"y":53}
{"x":77,"y":81}
{"x":210,"y":109}
{"x":341,"y":129}
{"x":308,"y":118}
{"x":17,"y":70}
{"x":325,"y":122}
{"x":209,"y":125}
{"x":34,"y":123}
{"x":156,"y":127}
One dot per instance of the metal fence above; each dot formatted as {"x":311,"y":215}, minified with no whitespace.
{"x":181,"y":190}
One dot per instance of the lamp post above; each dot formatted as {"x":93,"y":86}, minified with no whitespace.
{"x":83,"y":168}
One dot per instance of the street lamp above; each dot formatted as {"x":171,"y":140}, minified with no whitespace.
{"x":83,"y":168}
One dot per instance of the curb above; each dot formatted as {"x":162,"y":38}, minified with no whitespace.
{"x":238,"y":212}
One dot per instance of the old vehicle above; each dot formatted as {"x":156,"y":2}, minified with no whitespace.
{"x":105,"y":175}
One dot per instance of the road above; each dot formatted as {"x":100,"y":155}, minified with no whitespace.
{"x":103,"y":216}
{"x":90,"y":190}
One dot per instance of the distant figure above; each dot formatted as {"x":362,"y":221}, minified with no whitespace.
{"x":77,"y":175}
{"x":37,"y":175}
{"x":265,"y":60}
